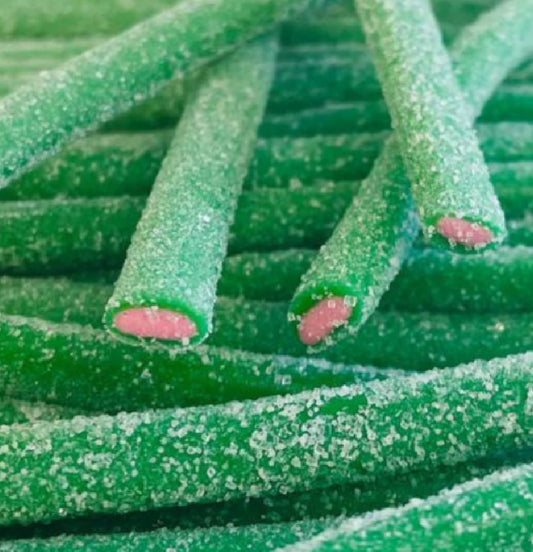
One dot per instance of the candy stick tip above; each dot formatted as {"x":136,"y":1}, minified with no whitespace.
{"x":156,"y":323}
{"x":464,"y":232}
{"x":321,"y":319}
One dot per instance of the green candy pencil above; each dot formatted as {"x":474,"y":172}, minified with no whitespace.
{"x":85,"y":368}
{"x":493,"y":513}
{"x":347,"y":280}
{"x":144,"y":460}
{"x":38,"y":119}
{"x":167,"y":287}
{"x":433,"y":125}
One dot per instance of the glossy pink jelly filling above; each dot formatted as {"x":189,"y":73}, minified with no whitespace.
{"x":156,"y":323}
{"x":319,"y":321}
{"x":464,"y":232}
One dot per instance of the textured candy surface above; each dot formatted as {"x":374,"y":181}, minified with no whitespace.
{"x":167,"y":286}
{"x":374,"y":237}
{"x":491,"y":513}
{"x":274,"y":445}
{"x":433,"y":124}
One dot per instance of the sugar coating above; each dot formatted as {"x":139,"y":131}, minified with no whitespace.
{"x":274,"y":445}
{"x":490,"y":513}
{"x":175,"y":257}
{"x":374,"y":237}
{"x":216,"y":539}
{"x":59,"y":106}
{"x":85,"y":368}
{"x":432,"y":122}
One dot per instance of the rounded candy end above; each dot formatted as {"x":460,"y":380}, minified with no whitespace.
{"x":156,"y":323}
{"x":321,"y":319}
{"x":464,"y":232}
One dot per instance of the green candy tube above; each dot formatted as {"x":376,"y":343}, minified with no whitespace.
{"x":139,"y":461}
{"x":85,"y":368}
{"x":92,"y":88}
{"x":433,"y":125}
{"x":71,"y":235}
{"x":167,"y":287}
{"x":356,"y":266}
{"x":216,"y":539}
{"x":493,"y":513}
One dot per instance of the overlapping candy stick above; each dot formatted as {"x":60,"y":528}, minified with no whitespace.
{"x":490,"y":513}
{"x":347,"y":280}
{"x":151,"y":459}
{"x":38,"y":119}
{"x":433,"y":125}
{"x":167,"y":287}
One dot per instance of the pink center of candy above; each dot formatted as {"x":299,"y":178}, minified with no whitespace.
{"x":319,"y":321}
{"x":464,"y":232}
{"x":156,"y":323}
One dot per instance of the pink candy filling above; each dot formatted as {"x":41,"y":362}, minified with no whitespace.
{"x":464,"y":232}
{"x":156,"y":323}
{"x":319,"y":321}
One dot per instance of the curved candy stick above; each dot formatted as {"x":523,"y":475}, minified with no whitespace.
{"x":167,"y":287}
{"x":491,"y":513}
{"x":69,"y":235}
{"x":433,"y":125}
{"x":160,"y":458}
{"x":85,"y":368}
{"x":38,"y":119}
{"x":347,"y":280}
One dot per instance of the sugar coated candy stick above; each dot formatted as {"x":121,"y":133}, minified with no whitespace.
{"x":493,"y":513}
{"x":433,"y":124}
{"x":348,"y":278}
{"x":160,"y":458}
{"x":37,"y":119}
{"x":167,"y":286}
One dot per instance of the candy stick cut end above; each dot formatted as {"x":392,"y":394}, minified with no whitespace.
{"x":156,"y":323}
{"x":320,"y":320}
{"x":464,"y":232}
